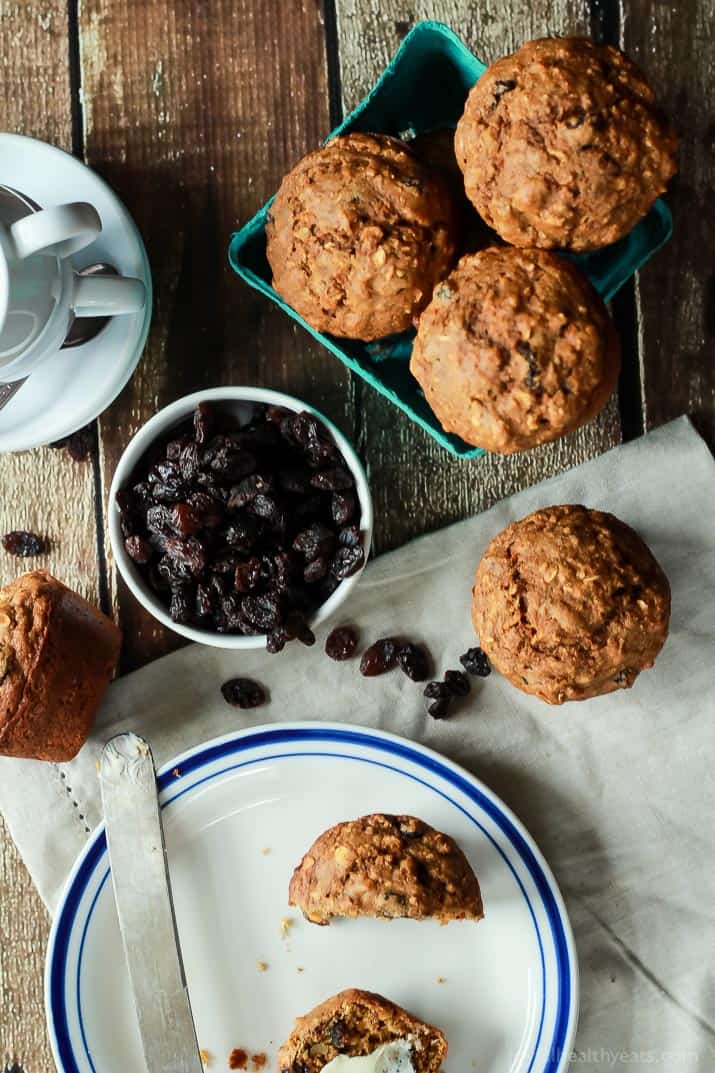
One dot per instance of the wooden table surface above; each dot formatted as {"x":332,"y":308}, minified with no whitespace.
{"x":193,"y":112}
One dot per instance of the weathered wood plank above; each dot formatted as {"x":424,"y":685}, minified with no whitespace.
{"x":415,"y":483}
{"x":194,"y":112}
{"x":676,"y":291}
{"x":42,"y":490}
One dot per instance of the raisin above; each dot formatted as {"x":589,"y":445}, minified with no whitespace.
{"x":181,"y":605}
{"x":413,"y":661}
{"x":457,"y":683}
{"x":209,"y":512}
{"x":341,"y":642}
{"x":476,"y":661}
{"x":276,"y":640}
{"x":203,"y":422}
{"x":263,"y":612}
{"x":298,"y":628}
{"x":350,"y":536}
{"x":138,"y":549}
{"x":342,"y":507}
{"x":317,"y":540}
{"x":190,"y":553}
{"x":316,"y":570}
{"x":502,"y":86}
{"x":335,"y":479}
{"x":379,"y":657}
{"x":247,"y":575}
{"x":338,"y":1034}
{"x":24,"y":544}
{"x":243,"y":693}
{"x":347,"y":561}
{"x":205,"y":601}
{"x":437,"y":699}
{"x":247,"y":490}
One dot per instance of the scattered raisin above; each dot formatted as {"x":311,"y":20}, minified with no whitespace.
{"x":413,"y":661}
{"x":457,"y":683}
{"x":23,"y":544}
{"x":347,"y":561}
{"x":243,"y":693}
{"x":437,"y":699}
{"x":341,"y":642}
{"x":476,"y":661}
{"x":379,"y":657}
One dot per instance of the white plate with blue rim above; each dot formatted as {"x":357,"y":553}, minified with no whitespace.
{"x":238,"y":814}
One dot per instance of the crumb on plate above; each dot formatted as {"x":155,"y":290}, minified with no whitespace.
{"x":205,"y":1056}
{"x":266,"y":850}
{"x":262,"y":966}
{"x":300,"y":969}
{"x":176,"y":773}
{"x":238,"y":1058}
{"x":441,"y":979}
{"x":286,"y":924}
{"x":258,"y":1060}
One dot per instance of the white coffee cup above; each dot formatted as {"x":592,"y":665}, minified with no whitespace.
{"x":40,"y":292}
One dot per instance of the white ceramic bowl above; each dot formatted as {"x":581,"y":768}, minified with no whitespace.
{"x":235,"y":400}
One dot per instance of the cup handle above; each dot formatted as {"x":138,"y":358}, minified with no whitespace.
{"x":60,"y":230}
{"x":107,"y":296}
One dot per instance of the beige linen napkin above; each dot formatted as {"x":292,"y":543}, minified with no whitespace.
{"x":617,"y":791}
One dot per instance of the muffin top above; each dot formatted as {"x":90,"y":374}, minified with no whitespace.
{"x":570,"y":603}
{"x":385,"y":866}
{"x":515,"y":349}
{"x":561,"y":144}
{"x":359,"y":233}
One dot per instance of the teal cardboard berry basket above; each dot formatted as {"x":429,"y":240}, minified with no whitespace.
{"x":424,"y":88}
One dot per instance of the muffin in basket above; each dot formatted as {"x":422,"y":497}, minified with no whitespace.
{"x":562,"y":145}
{"x":359,"y":233}
{"x":515,"y":349}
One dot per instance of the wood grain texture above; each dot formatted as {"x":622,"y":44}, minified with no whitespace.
{"x":45,"y":491}
{"x":676,"y":291}
{"x":194,"y":113}
{"x":417,"y":485}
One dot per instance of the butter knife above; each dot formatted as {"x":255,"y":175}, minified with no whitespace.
{"x":137,"y":856}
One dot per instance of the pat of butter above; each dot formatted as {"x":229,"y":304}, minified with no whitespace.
{"x":394,"y":1057}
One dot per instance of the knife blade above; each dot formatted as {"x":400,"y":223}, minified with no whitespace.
{"x":137,"y":856}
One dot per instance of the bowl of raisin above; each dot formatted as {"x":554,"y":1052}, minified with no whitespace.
{"x":240,"y":518}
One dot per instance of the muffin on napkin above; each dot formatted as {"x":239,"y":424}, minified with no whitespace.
{"x":570,"y":603}
{"x":57,"y":657}
{"x":562,"y":145}
{"x":357,"y":1023}
{"x":359,"y":233}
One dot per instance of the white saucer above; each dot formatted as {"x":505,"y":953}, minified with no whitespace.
{"x":238,"y":813}
{"x":76,"y":386}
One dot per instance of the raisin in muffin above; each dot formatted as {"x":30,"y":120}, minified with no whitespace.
{"x":355,"y":1023}
{"x":561,"y":144}
{"x":515,"y":349}
{"x":358,"y":235}
{"x":385,"y":866}
{"x":569,"y":603}
{"x":57,"y":656}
